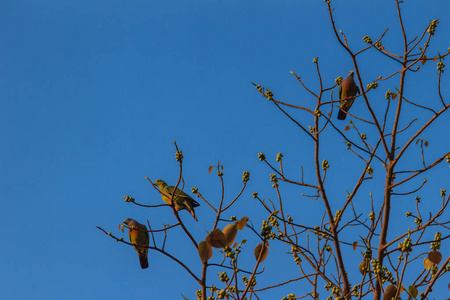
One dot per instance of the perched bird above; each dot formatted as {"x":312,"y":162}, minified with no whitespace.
{"x":347,"y":92}
{"x":181,"y":200}
{"x":139,"y":238}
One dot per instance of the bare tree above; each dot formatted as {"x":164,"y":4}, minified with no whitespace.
{"x":378,"y":142}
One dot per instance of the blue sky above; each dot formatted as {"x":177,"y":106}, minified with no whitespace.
{"x":94,"y":93}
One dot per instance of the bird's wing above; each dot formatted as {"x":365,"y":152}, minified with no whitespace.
{"x":178,"y":193}
{"x":194,"y":203}
{"x":146,"y":233}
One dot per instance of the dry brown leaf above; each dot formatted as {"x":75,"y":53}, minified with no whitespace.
{"x":423,"y":59}
{"x":204,"y":251}
{"x":264,"y":249}
{"x":427,"y":263}
{"x":230,"y":232}
{"x":435,"y":257}
{"x":241,"y":223}
{"x":390,"y":292}
{"x":217,"y":239}
{"x":413,"y":291}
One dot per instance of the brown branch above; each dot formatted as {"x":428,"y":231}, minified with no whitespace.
{"x":154,"y":248}
{"x":418,"y":172}
{"x":415,"y":104}
{"x":293,"y":120}
{"x":240,"y":193}
{"x":430,"y":121}
{"x":436,"y":276}
{"x":412,"y":192}
{"x":283,"y":283}
{"x":304,"y":86}
{"x":294,"y":106}
{"x":373,"y":44}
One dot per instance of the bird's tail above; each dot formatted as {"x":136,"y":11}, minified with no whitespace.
{"x":143,"y":260}
{"x":342,"y":115}
{"x":191,"y":210}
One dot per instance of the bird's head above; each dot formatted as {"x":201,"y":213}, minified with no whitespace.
{"x":160,"y":183}
{"x":129,"y":222}
{"x":351,"y":74}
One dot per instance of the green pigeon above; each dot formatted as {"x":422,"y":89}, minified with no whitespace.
{"x":181,"y":200}
{"x":347,"y":92}
{"x":139,"y":237}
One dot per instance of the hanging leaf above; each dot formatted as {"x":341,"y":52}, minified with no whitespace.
{"x":426,"y":143}
{"x":393,"y":95}
{"x":216,"y":239}
{"x":230,"y":232}
{"x":347,"y":128}
{"x":435,"y":257}
{"x":204,"y":251}
{"x":427,"y":263}
{"x":355,"y":245}
{"x":390,"y":292}
{"x":423,"y":59}
{"x":265,"y":250}
{"x":435,"y":58}
{"x":413,"y":292}
{"x":241,"y":223}
{"x":210,"y":169}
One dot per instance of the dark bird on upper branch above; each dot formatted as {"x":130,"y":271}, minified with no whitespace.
{"x":347,"y":92}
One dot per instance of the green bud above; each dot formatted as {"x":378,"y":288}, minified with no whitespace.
{"x":246,"y":176}
{"x":179,"y":156}
{"x":261,"y":156}
{"x":325,"y":164}
{"x":279,"y":156}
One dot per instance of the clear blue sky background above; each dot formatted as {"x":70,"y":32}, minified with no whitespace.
{"x":94,"y":93}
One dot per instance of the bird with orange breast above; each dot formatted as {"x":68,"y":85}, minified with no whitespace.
{"x":347,"y":92}
{"x":139,"y":238}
